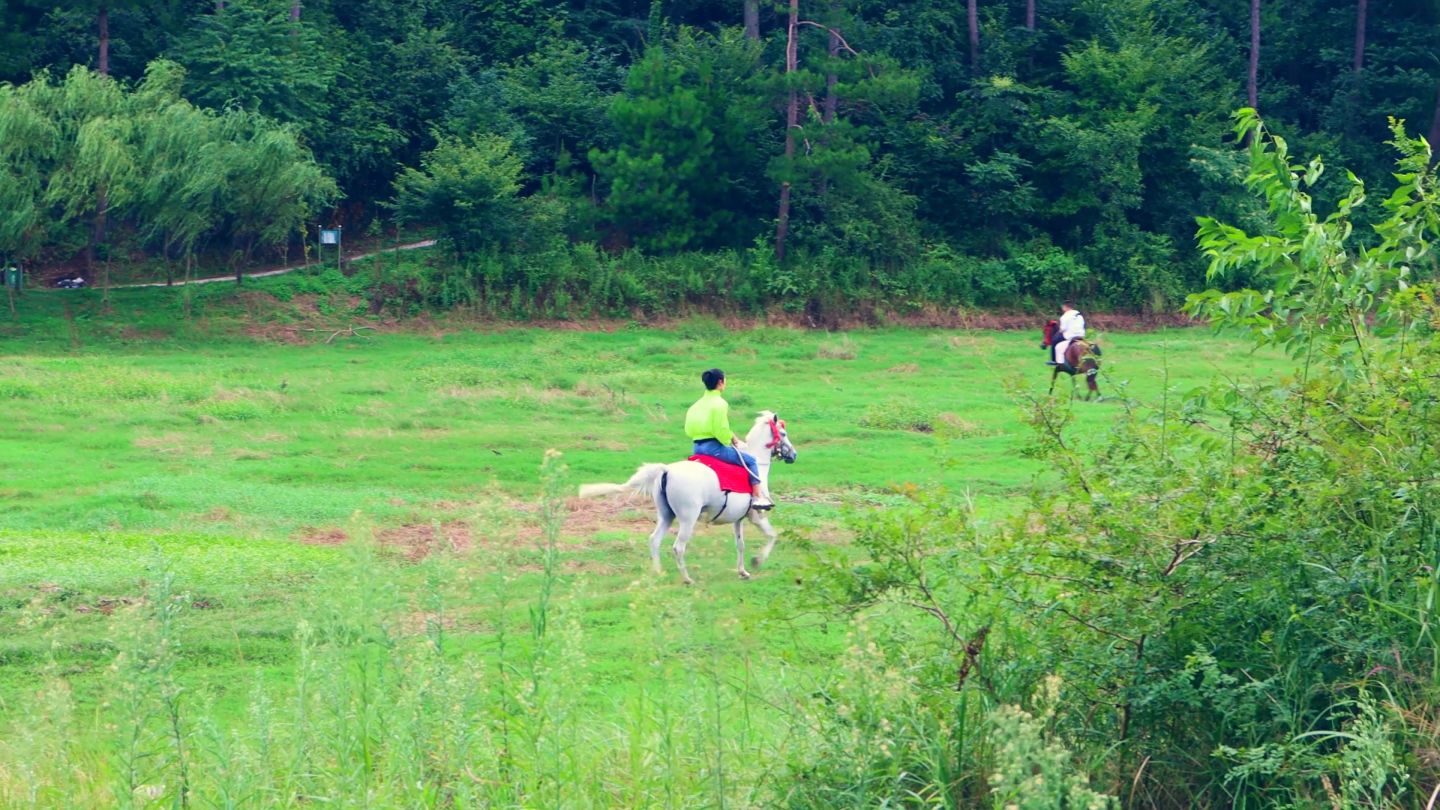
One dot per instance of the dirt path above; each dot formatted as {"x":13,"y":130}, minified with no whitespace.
{"x":412,"y":246}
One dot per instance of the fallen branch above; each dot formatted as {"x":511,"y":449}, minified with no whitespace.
{"x":352,"y":331}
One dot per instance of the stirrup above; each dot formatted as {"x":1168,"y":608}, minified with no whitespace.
{"x":761,"y":507}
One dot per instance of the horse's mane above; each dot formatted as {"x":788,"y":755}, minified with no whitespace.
{"x":764,"y":418}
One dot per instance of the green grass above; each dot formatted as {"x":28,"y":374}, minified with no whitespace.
{"x":238,"y":439}
{"x":258,"y":439}
{"x":239,"y":464}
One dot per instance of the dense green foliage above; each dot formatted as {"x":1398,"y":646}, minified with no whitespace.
{"x":1067,"y":157}
{"x":1236,"y":586}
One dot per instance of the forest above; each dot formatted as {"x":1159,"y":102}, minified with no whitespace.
{"x":802,"y":156}
{"x":263,"y":545}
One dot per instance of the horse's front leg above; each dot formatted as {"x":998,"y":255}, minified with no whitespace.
{"x":762,"y":522}
{"x":740,"y":549}
{"x":1054,"y":375}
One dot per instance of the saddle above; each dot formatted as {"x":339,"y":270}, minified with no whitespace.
{"x":1050,"y":336}
{"x":733,"y":477}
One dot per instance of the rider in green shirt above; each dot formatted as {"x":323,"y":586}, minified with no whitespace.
{"x":708,"y":424}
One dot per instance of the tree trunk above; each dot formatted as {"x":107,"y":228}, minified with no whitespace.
{"x":792,"y":120}
{"x":972,"y":17}
{"x":103,"y":22}
{"x":1435,"y":129}
{"x":1360,"y":13}
{"x":1030,"y":28}
{"x":295,"y":17}
{"x":827,"y":115}
{"x":97,"y":234}
{"x":830,"y":80}
{"x":752,"y":20}
{"x":1353,"y":114}
{"x":1252,"y":85}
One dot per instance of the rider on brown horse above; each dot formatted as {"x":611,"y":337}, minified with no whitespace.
{"x":1070,"y":352}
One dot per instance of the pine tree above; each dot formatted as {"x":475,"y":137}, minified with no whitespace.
{"x":257,"y":54}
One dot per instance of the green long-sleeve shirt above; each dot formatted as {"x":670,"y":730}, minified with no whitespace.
{"x":709,"y":418}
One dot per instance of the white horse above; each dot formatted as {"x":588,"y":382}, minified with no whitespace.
{"x":689,"y":490}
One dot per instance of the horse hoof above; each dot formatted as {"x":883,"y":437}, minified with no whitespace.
{"x":688,"y":582}
{"x":755,"y":562}
{"x":744,"y":574}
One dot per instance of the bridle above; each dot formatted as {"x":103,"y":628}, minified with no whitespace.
{"x":777,"y":433}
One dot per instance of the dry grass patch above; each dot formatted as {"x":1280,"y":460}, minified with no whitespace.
{"x":597,"y":443}
{"x":246,"y":454}
{"x":418,"y":540}
{"x":585,"y":519}
{"x":904,"y":368}
{"x":370,"y":433}
{"x":172,"y":443}
{"x":599,"y":569}
{"x":955,"y":426}
{"x":317,"y":536}
{"x":464,"y":392}
{"x":843,"y":349}
{"x":219,"y":514}
{"x":972,"y":343}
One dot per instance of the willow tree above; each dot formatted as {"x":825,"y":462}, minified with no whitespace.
{"x":272,"y":184}
{"x":176,"y":202}
{"x":74,"y":150}
{"x":94,"y":174}
{"x":27,"y":143}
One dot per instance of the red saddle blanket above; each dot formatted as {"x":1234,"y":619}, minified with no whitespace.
{"x":733,"y":477}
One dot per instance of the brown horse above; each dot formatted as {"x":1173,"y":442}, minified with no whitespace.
{"x":1079,"y":356}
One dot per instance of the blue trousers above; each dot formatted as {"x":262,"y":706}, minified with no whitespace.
{"x":714,"y":449}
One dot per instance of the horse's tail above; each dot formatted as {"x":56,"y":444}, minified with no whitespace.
{"x":647,"y":479}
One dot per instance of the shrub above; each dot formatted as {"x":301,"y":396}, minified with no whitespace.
{"x":702,"y":329}
{"x":233,"y":410}
{"x":895,"y":415}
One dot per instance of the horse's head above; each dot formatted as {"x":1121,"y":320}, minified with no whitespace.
{"x":779,"y":442}
{"x":1049,"y":334}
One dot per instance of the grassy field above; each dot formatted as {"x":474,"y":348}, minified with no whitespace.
{"x":233,"y":470}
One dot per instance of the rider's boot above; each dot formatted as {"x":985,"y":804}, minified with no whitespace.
{"x":760,"y":498}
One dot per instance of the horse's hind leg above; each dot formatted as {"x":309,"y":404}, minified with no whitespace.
{"x":762,"y":522}
{"x":1092,"y":370}
{"x":687,"y":528}
{"x":740,"y":549}
{"x":662,"y":526}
